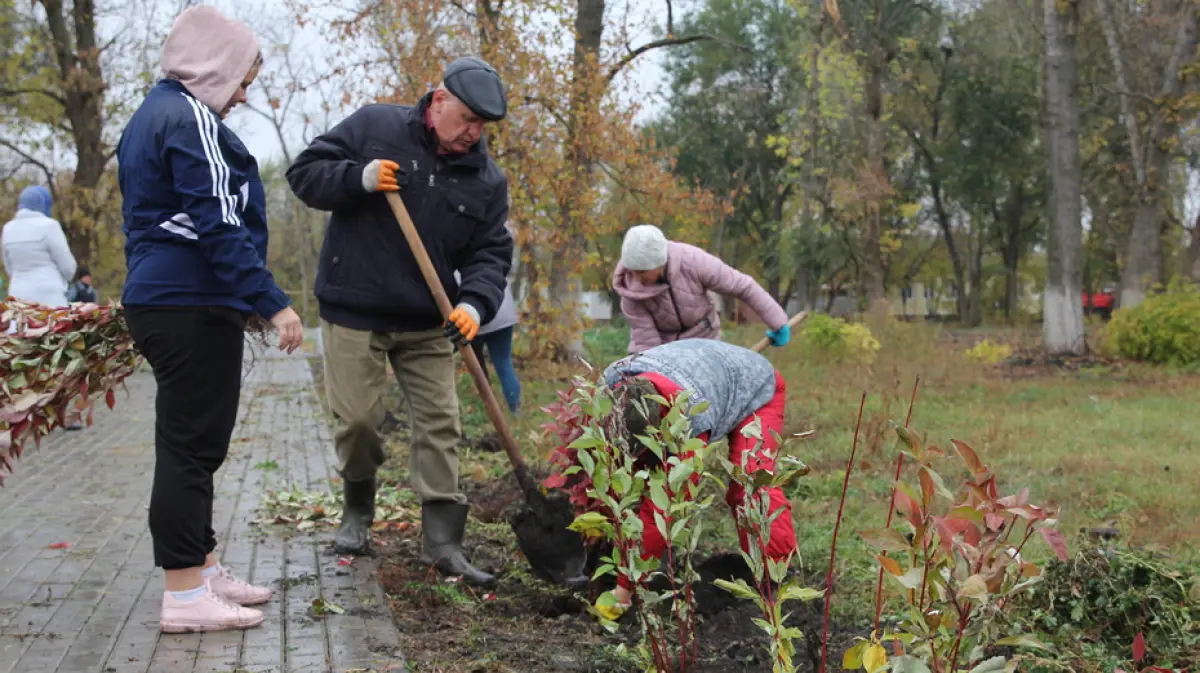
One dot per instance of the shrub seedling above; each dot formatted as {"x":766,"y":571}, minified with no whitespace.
{"x":772,"y":586}
{"x":618,"y":486}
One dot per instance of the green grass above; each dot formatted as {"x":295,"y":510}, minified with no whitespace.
{"x":1103,"y":444}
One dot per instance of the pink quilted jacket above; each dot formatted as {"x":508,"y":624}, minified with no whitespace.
{"x":678,"y":307}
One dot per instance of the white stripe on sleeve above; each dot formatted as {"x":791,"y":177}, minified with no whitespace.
{"x":218,"y":169}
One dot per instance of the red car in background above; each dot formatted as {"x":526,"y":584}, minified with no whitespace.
{"x":1101,"y":303}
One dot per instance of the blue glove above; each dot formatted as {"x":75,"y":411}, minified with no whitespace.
{"x":781,"y":336}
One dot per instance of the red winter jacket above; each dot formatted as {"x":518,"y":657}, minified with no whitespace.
{"x":783,"y":534}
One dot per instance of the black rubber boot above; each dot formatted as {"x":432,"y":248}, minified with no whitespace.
{"x":358,"y":513}
{"x":442,"y":528}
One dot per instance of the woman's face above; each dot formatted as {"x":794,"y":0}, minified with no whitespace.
{"x":649,"y":277}
{"x":239,"y":96}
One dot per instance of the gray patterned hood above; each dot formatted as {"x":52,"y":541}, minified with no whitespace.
{"x":735,"y":381}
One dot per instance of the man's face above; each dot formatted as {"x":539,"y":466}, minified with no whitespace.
{"x":456,"y":127}
{"x":87,"y":280}
{"x":239,"y":96}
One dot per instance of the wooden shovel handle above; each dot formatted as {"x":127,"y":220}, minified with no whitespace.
{"x":468,"y":354}
{"x":796,"y":320}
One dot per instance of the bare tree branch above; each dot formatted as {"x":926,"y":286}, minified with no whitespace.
{"x":1128,"y":115}
{"x":548,"y":107}
{"x":1172,"y":84}
{"x":459,"y":6}
{"x":13,"y":93}
{"x":621,"y":183}
{"x":656,"y":44}
{"x":29,"y":159}
{"x":1125,"y":93}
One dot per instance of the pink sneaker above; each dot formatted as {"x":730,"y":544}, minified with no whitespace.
{"x":209,"y":612}
{"x":235,"y":590}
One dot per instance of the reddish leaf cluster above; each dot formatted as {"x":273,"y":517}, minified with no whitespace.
{"x":963,"y":555}
{"x":567,"y":424}
{"x":56,"y":357}
{"x":1139,"y":653}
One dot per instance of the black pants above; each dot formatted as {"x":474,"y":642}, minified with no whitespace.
{"x":196,"y":355}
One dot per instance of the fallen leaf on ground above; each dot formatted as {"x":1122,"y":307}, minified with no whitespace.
{"x":321,"y":606}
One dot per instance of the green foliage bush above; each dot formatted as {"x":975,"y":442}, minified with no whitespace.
{"x":1164,"y":329}
{"x":1095,"y":605}
{"x":834,"y":338}
{"x":989,"y":353}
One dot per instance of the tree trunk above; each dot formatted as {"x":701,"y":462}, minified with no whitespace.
{"x":803,"y":288}
{"x":947,"y":227}
{"x":78,"y":59}
{"x":1194,"y":253}
{"x":719,"y":240}
{"x":877,"y":176}
{"x":1012,"y":248}
{"x":1062,"y":324}
{"x":566,"y":295}
{"x":1144,"y":266}
{"x":808,"y":278}
{"x":772,"y":273}
{"x":1191,"y":256}
{"x":974,"y":315}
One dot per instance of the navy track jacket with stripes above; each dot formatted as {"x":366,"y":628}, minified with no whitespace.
{"x":194,"y":208}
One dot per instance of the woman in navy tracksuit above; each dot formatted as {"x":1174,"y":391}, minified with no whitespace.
{"x":196,"y":244}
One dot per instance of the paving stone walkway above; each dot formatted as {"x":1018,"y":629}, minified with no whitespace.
{"x":92,"y":606}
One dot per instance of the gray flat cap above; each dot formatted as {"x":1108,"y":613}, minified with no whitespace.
{"x":478,"y":86}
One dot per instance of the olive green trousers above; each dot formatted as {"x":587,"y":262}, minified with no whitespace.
{"x":355,"y":385}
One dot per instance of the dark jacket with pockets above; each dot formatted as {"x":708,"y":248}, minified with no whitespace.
{"x":367,"y":278}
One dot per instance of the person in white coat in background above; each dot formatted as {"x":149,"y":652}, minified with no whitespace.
{"x":37,"y":258}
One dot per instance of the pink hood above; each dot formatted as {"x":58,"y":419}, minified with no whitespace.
{"x":209,"y":54}
{"x":629,"y":287}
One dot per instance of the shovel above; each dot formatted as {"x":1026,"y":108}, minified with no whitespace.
{"x":555,"y":553}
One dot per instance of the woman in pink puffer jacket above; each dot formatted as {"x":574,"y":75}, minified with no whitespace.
{"x":664,"y":289}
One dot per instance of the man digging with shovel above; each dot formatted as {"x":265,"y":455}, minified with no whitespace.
{"x":375,"y":303}
{"x":740,"y":385}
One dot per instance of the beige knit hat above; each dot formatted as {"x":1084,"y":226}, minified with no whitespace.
{"x":644,"y":248}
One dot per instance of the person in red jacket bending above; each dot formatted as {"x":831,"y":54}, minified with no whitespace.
{"x":739,"y":386}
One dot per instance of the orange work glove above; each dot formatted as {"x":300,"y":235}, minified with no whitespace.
{"x":380,"y":176}
{"x":463,"y":324}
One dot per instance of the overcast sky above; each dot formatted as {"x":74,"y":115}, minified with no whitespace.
{"x":261,"y":139}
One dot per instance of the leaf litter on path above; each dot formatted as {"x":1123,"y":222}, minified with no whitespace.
{"x":306,"y":510}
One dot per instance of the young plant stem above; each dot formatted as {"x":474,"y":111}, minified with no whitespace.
{"x":677,"y":611}
{"x":1028,"y":534}
{"x":924,"y":577}
{"x":833,"y":544}
{"x":694,"y":645}
{"x":964,"y":620}
{"x":1008,"y":531}
{"x":912,"y":401}
{"x":766,"y":590}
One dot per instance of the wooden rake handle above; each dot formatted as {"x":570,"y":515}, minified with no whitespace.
{"x":468,"y":354}
{"x":764,"y":342}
